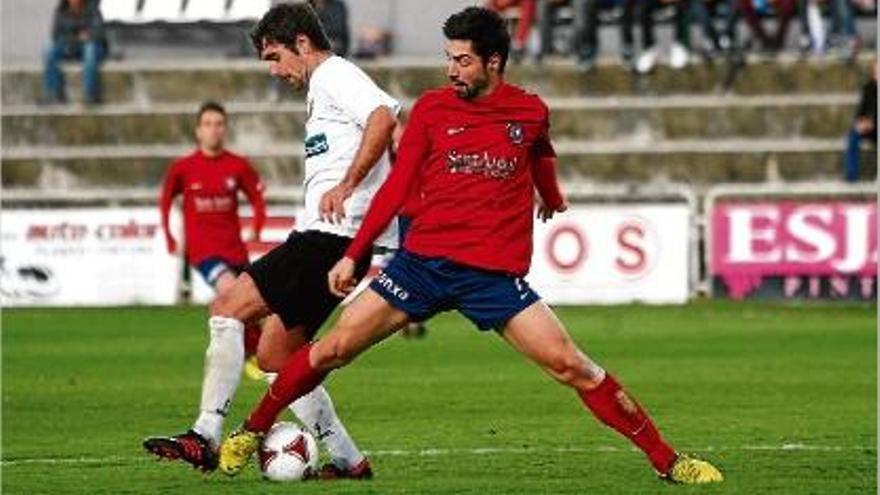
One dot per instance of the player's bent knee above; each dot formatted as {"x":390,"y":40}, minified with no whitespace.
{"x":565,"y":373}
{"x":241,"y":301}
{"x":269,"y":361}
{"x":225,"y":282}
{"x":573,"y":370}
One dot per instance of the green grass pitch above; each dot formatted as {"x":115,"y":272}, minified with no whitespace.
{"x":782,"y":398}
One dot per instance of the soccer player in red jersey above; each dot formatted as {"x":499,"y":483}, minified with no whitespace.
{"x":210,"y":179}
{"x":478,"y":150}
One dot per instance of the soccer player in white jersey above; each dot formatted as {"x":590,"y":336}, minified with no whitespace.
{"x":348,"y":130}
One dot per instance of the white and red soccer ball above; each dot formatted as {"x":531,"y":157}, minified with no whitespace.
{"x":288,"y":453}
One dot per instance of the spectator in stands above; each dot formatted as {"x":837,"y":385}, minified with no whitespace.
{"x":784,"y":11}
{"x":527,"y":12}
{"x":864,"y":127}
{"x":586,"y":32}
{"x":586,"y":25}
{"x":679,"y":53}
{"x":373,"y":41}
{"x":843,"y":35}
{"x":717,"y":39}
{"x":843,"y":25}
{"x":77,"y":34}
{"x":548,"y":18}
{"x":627,"y":21}
{"x":334,"y":16}
{"x":585,"y":21}
{"x":812,"y":37}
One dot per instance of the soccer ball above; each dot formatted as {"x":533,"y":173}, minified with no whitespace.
{"x":288,"y":453}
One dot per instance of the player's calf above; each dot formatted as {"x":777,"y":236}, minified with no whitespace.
{"x":334,"y":351}
{"x":278,"y":343}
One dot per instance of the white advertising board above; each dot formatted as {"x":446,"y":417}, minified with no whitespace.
{"x":114,"y":257}
{"x":85,"y":257}
{"x":613,"y":254}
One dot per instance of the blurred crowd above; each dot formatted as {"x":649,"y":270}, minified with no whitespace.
{"x":571,"y":28}
{"x":560,"y":27}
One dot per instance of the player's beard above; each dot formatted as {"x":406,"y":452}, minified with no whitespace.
{"x":295,"y":80}
{"x":470,"y":91}
{"x":297,"y":83}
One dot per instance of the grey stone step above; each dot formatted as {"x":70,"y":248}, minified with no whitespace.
{"x":704,"y":163}
{"x":697,"y":162}
{"x":249,"y":81}
{"x":655,"y":118}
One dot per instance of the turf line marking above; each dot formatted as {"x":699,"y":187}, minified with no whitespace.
{"x":143,"y":459}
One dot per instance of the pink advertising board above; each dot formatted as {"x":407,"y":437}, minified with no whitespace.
{"x":795,"y":241}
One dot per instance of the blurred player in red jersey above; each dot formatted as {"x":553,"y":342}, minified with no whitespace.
{"x":348,"y":130}
{"x":210,"y":179}
{"x":477,"y":150}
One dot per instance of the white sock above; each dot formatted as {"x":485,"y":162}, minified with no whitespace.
{"x":224,"y":361}
{"x":316,"y":413}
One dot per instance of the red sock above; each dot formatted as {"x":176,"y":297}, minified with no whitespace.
{"x":295,"y":379}
{"x":251,"y":339}
{"x":614,"y":407}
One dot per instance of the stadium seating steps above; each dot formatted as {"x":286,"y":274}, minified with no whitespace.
{"x":781,"y":120}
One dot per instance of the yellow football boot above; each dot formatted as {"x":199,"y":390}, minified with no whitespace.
{"x":237,"y":450}
{"x":692,"y":471}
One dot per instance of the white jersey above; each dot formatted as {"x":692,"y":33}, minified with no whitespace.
{"x":340,"y":99}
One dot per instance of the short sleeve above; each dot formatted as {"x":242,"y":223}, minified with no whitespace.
{"x":356,"y":94}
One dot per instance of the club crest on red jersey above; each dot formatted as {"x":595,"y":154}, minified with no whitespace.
{"x":515,"y":132}
{"x":230,"y":183}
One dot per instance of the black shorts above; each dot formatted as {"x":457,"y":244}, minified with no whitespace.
{"x":292,"y":278}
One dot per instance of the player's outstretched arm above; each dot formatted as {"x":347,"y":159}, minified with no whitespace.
{"x":389,"y":199}
{"x":551,"y":198}
{"x":375,"y":141}
{"x":543,"y":169}
{"x":171,"y":187}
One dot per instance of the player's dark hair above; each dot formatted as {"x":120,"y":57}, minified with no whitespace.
{"x":284,"y":22}
{"x":210,"y":106}
{"x":484,"y":28}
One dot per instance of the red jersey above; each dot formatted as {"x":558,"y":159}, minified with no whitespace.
{"x":210,"y":188}
{"x":476,"y":165}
